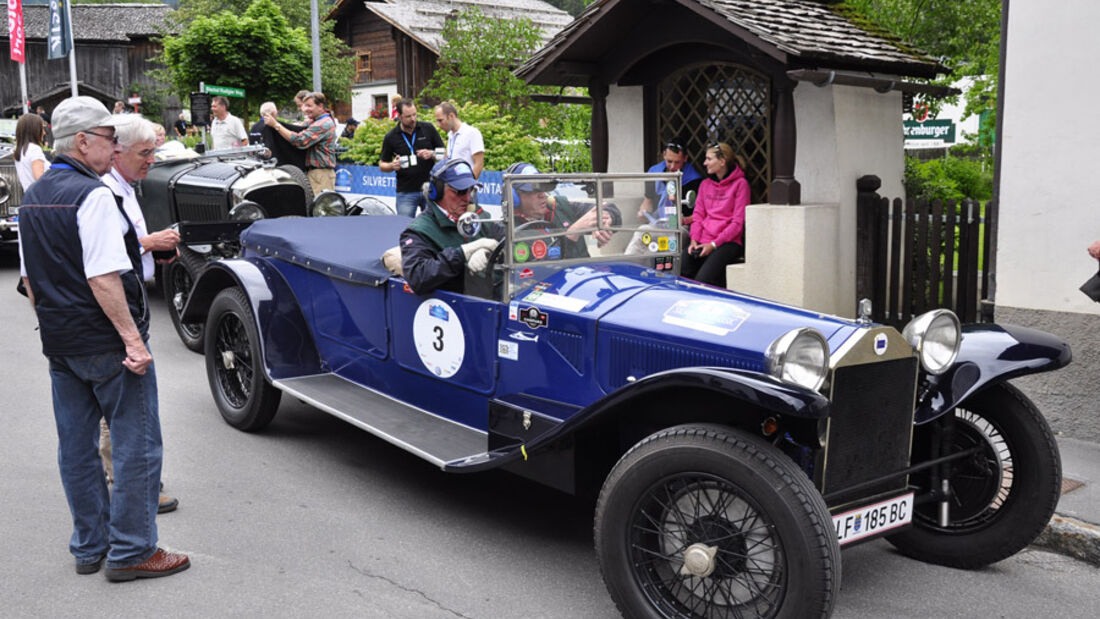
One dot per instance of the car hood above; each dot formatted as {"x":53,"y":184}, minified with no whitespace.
{"x":643,"y":314}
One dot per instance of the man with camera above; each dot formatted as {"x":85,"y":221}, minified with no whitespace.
{"x":409,"y":150}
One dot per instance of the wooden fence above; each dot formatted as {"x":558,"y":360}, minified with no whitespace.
{"x":914,"y":255}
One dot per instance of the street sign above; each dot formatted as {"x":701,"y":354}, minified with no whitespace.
{"x":225,"y":91}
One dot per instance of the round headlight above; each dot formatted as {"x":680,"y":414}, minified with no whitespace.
{"x":247,"y":211}
{"x":5,"y":191}
{"x":329,"y":204}
{"x":935,"y":336}
{"x":800,"y":356}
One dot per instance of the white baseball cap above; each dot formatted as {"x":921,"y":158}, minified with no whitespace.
{"x":82,"y":113}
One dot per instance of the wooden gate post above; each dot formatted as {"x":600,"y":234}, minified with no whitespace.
{"x":869,"y":245}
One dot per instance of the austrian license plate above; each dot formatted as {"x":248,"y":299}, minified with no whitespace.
{"x":871,"y":520}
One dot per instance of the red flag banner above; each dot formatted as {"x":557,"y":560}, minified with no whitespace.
{"x":15,"y":30}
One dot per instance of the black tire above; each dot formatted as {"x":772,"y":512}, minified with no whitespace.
{"x":234,"y":364}
{"x":179,"y":277}
{"x":300,"y":177}
{"x":1003,"y":496}
{"x":774,"y":548}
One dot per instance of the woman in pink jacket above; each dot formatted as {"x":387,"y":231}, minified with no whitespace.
{"x":718,"y":222}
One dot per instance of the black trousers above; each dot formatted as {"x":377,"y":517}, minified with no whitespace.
{"x":712,"y":269}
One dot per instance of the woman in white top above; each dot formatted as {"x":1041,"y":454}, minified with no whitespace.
{"x":30,"y":161}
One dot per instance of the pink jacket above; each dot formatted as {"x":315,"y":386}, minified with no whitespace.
{"x":719,"y":215}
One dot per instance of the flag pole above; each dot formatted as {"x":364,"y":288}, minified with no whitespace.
{"x":72,"y":46}
{"x":23,"y":85}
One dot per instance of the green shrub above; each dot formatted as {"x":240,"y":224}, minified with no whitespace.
{"x":949,"y":178}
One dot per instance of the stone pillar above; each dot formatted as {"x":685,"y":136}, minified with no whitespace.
{"x":784,"y":188}
{"x":598,"y":90}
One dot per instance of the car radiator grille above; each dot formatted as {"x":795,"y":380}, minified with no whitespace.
{"x":871,"y":425}
{"x":7,"y":171}
{"x":195,"y":204}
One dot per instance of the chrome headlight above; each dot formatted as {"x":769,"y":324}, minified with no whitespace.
{"x":936,"y":336}
{"x":799,"y":356}
{"x":5,"y":191}
{"x":247,"y":211}
{"x":329,"y":204}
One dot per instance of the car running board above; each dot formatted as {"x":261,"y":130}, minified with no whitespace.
{"x":415,"y":430}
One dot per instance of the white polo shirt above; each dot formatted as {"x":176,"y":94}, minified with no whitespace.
{"x":465,"y":143}
{"x":228,"y":133}
{"x":101,"y":226}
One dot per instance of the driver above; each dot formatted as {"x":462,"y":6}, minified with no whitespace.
{"x":434,"y":253}
{"x":532,"y":205}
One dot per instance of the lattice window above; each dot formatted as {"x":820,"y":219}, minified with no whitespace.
{"x":364,"y":69}
{"x":720,"y":102}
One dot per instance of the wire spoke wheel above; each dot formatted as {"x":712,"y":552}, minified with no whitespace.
{"x":705,"y":521}
{"x":233,"y":361}
{"x":998,"y":498}
{"x":702,"y":548}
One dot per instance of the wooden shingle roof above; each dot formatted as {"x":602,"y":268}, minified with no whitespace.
{"x":804,"y":33}
{"x":97,"y":22}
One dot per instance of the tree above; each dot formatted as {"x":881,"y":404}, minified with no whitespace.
{"x":965,"y":35}
{"x":257,"y":51}
{"x":476,"y":62}
{"x":337,"y":64}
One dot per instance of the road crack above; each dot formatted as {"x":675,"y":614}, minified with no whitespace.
{"x":402,"y":587}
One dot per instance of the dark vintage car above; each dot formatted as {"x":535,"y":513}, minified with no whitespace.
{"x":11,"y":191}
{"x":204,"y":196}
{"x":735,"y":444}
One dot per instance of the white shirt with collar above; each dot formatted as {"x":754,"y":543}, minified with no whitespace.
{"x":465,"y":143}
{"x":228,"y":133}
{"x":124,"y":190}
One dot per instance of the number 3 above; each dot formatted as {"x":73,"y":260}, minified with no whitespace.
{"x":438,"y":343}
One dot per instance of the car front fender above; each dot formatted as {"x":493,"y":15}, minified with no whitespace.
{"x":761,"y":392}
{"x":285,"y":339}
{"x":991,"y":354}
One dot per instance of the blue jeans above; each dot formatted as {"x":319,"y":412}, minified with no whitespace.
{"x":409,"y":201}
{"x":121,"y":525}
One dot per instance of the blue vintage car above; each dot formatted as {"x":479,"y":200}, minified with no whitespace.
{"x":735,"y":444}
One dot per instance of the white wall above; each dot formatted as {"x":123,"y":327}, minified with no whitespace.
{"x":844,"y":133}
{"x":1049,"y":165}
{"x":625,"y":130}
{"x":362,"y":98}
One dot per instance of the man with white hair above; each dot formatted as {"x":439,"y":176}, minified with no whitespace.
{"x":81,"y":264}
{"x":137,"y":141}
{"x":256,"y":132}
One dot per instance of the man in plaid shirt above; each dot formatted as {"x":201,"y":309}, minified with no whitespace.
{"x":318,"y":138}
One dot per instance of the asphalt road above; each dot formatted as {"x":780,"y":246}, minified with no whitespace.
{"x":313,"y":517}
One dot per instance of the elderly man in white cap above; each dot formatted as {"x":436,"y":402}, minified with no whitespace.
{"x":81,"y":264}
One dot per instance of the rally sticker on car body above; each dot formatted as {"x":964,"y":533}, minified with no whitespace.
{"x":440,"y":342}
{"x":715,"y":317}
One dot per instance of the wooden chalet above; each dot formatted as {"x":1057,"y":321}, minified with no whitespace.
{"x":113,"y":44}
{"x":396,"y":42}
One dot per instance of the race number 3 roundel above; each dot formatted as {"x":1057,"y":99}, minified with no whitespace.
{"x":438,"y":336}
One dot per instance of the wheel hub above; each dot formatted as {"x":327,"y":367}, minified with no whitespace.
{"x":177,"y":301}
{"x":699,"y":560}
{"x":229,"y":360}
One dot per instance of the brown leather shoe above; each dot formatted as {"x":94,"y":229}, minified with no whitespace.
{"x":167,"y":504}
{"x":162,"y":563}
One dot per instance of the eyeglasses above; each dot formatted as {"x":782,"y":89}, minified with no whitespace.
{"x":460,"y":192}
{"x":145,"y":153}
{"x":112,"y":138}
{"x":674,"y":147}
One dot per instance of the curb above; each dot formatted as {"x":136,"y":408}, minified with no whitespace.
{"x":1072,"y":537}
